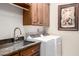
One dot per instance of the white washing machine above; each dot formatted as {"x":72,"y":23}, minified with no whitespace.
{"x":51,"y":45}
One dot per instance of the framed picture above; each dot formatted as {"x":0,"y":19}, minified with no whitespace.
{"x":68,"y":17}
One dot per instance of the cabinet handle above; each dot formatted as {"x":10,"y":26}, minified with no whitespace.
{"x":33,"y":50}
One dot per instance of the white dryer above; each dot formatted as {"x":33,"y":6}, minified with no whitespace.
{"x":51,"y":45}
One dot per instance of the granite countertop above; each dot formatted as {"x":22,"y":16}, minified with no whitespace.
{"x":12,"y":47}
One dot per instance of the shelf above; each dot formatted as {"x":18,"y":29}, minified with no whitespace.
{"x":21,"y":6}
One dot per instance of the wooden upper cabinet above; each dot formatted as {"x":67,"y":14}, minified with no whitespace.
{"x":46,"y":14}
{"x":34,"y":13}
{"x":38,"y":15}
{"x":27,"y":19}
{"x":30,"y":17}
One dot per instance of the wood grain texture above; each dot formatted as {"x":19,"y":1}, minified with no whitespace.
{"x":31,"y":50}
{"x":26,"y":17}
{"x":46,"y":14}
{"x":34,"y":13}
{"x":38,"y":15}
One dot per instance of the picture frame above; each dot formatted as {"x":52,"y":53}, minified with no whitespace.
{"x":68,"y":17}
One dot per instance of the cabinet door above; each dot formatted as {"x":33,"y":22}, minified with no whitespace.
{"x":36,"y":54}
{"x":30,"y":51}
{"x":46,"y":14}
{"x":40,"y":13}
{"x":26,"y":18}
{"x":34,"y":14}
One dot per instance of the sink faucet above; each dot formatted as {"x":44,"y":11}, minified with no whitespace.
{"x":15,"y":38}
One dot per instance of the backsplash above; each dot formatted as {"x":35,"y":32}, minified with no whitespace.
{"x":33,"y":29}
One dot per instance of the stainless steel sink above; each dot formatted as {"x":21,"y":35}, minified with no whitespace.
{"x":6,"y":45}
{"x":27,"y":42}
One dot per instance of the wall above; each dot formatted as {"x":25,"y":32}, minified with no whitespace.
{"x":10,"y":17}
{"x":70,"y":39}
{"x":33,"y":29}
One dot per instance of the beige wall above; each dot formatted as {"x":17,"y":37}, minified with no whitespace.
{"x":70,"y":39}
